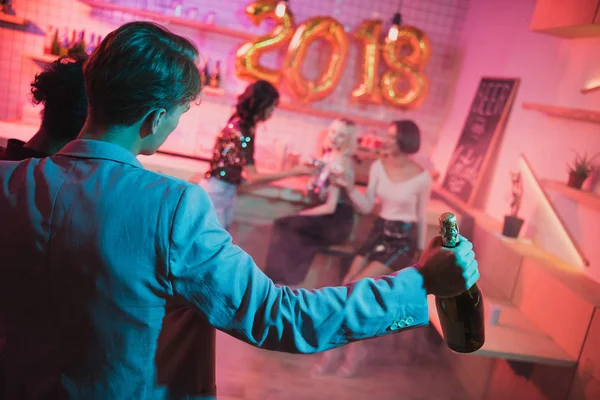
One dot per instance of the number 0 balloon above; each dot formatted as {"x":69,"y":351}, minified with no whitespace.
{"x":308,"y":32}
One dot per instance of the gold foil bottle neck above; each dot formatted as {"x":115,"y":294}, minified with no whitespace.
{"x":448,"y":229}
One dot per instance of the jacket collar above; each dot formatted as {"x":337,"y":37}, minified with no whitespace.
{"x":96,"y":149}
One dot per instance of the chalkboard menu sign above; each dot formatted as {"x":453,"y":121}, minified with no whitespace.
{"x":484,"y":125}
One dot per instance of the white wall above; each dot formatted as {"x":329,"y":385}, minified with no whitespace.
{"x":497,"y":42}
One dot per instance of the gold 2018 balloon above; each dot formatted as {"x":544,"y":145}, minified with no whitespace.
{"x":404,"y":84}
{"x":247,"y":57}
{"x":309,"y":31}
{"x":368,"y":90}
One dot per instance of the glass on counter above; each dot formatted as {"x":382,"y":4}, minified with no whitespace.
{"x":292,"y":160}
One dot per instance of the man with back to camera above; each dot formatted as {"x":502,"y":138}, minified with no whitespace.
{"x":94,"y":247}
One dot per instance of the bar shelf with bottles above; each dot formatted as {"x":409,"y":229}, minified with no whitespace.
{"x":59,"y":43}
{"x":212,"y":78}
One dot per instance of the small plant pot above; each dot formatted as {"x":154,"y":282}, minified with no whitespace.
{"x":512,"y":226}
{"x":576,"y":180}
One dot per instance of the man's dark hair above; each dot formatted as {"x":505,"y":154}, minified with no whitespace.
{"x":61,"y":89}
{"x":138,"y":67}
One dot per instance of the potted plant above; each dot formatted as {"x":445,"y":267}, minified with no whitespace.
{"x":579,"y":170}
{"x":512,"y":223}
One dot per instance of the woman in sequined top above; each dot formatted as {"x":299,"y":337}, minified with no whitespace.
{"x":232,"y":162}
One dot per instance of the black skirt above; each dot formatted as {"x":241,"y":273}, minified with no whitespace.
{"x":296,"y":239}
{"x":393,"y":243}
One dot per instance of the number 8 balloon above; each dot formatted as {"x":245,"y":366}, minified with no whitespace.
{"x":406,"y":69}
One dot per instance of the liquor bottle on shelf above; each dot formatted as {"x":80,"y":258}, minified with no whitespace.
{"x":206,"y":73}
{"x":48,"y":40}
{"x":461,"y":316}
{"x":78,"y":46}
{"x":203,"y":71}
{"x":215,"y":77}
{"x":82,"y":44}
{"x":73,"y":40}
{"x":91,"y":45}
{"x":64,"y":42}
{"x":177,"y":7}
{"x":55,"y":46}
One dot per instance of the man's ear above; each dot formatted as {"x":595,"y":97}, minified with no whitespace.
{"x":152,"y":122}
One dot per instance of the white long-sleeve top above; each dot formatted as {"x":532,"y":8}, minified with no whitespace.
{"x":400,"y":201}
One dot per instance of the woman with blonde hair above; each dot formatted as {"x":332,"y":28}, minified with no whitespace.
{"x":296,"y":239}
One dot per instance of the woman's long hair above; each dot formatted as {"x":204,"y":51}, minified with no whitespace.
{"x":254,"y":102}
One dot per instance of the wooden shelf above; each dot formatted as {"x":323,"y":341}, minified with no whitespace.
{"x":13,"y":19}
{"x":43,"y":58}
{"x":565,"y":112}
{"x":527,"y":168}
{"x":513,"y":338}
{"x":586,"y":199}
{"x":168,"y":20}
{"x":211,"y":91}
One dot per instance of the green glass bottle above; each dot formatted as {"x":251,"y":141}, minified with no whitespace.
{"x":462,"y":317}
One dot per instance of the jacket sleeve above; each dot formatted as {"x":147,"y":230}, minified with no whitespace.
{"x":224,"y":284}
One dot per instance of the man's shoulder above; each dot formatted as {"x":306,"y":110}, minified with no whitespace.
{"x":163,"y":181}
{"x":8,"y":166}
{"x":171,"y":188}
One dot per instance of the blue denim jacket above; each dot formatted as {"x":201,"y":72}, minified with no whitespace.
{"x":93,"y":249}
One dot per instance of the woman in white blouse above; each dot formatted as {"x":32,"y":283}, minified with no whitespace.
{"x":403,"y":188}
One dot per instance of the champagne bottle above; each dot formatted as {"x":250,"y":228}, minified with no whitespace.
{"x":55,"y":47}
{"x":64,"y":43}
{"x":461,"y":316}
{"x":48,"y":40}
{"x":82,"y":44}
{"x":215,"y":77}
{"x":73,"y":41}
{"x":206,"y":72}
{"x":203,"y":72}
{"x":91,"y":45}
{"x":77,"y":47}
